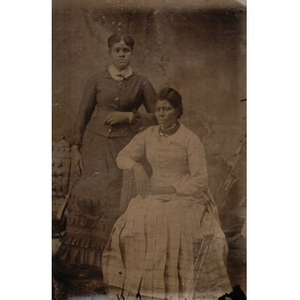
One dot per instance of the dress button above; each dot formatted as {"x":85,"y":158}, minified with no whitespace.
{"x":109,"y":130}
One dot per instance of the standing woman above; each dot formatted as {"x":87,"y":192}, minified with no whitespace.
{"x":106,"y":121}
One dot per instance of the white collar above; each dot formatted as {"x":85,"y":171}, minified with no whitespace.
{"x":119,"y":75}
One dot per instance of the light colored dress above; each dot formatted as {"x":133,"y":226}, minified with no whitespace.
{"x":167,"y":246}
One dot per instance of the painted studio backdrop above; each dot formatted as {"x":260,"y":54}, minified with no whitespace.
{"x":196,"y":47}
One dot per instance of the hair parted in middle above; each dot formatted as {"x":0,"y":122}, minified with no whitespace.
{"x":116,"y":38}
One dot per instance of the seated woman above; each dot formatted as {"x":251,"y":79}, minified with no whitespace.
{"x":167,"y":244}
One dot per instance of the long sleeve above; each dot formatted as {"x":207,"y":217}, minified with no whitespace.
{"x":197,"y":179}
{"x":132,"y":152}
{"x":148,"y":99}
{"x":85,"y":112}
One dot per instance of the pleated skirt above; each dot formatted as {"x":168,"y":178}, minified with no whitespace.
{"x":166,"y":247}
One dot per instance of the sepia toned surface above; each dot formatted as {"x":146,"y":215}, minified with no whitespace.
{"x":198,"y":48}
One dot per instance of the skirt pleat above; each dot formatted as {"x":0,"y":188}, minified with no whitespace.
{"x":167,"y":248}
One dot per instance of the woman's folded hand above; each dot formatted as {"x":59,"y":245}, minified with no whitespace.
{"x":118,"y":117}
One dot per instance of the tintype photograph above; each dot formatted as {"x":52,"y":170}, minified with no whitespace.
{"x":149,"y":149}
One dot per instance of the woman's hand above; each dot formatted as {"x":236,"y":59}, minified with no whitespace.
{"x":77,"y":163}
{"x":161,"y":190}
{"x":118,"y":117}
{"x":141,"y":180}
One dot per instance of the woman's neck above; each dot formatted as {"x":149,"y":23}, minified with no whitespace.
{"x":119,"y":74}
{"x":169,"y":130}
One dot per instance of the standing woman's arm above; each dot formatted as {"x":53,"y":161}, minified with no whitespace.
{"x":86,"y":109}
{"x":149,"y":98}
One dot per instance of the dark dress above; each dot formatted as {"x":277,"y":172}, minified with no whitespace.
{"x":94,"y":200}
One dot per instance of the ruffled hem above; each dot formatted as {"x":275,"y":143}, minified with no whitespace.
{"x":76,"y":255}
{"x":87,"y":232}
{"x":86,"y":242}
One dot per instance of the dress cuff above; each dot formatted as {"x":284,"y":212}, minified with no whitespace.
{"x":75,"y":140}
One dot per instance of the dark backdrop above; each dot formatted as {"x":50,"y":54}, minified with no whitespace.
{"x":197,"y":47}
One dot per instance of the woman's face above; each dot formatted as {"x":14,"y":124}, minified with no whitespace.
{"x":120,"y":55}
{"x":165,"y":113}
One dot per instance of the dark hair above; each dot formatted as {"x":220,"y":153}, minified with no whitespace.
{"x":116,"y":38}
{"x":173,"y":97}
